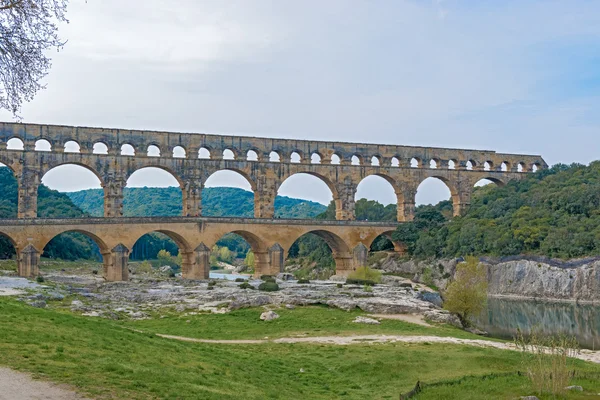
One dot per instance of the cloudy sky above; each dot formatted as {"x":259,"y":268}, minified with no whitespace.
{"x":512,"y":76}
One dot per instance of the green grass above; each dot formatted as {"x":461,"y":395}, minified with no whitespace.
{"x":305,"y":321}
{"x":104,"y":360}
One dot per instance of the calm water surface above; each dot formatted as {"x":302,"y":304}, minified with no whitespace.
{"x":503,"y":317}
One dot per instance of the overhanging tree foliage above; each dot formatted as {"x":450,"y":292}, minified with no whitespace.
{"x":28,"y":29}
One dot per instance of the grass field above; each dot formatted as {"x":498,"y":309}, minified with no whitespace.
{"x":103,"y":360}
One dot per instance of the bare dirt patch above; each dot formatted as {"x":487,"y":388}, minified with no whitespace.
{"x":19,"y":386}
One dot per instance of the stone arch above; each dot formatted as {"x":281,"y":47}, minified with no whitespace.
{"x":43,"y":144}
{"x":505,"y":166}
{"x":153,"y":150}
{"x":204,"y":152}
{"x":489,"y":180}
{"x":535,"y":167}
{"x":229,"y":154}
{"x":100,"y":148}
{"x":296,"y":156}
{"x":396,"y":246}
{"x":8,"y":246}
{"x":488,"y":166}
{"x":72,"y":146}
{"x":243,"y":174}
{"x":470,"y":165}
{"x":452,"y":164}
{"x":50,"y":167}
{"x":394,"y":196}
{"x":182,"y":243}
{"x":434,"y":163}
{"x":179,"y":152}
{"x":330,"y":185}
{"x":316,"y":157}
{"x":376,"y":160}
{"x":275,"y":156}
{"x":15,"y":143}
{"x":102,"y":245}
{"x":341,"y":252}
{"x":356,"y":159}
{"x":252,"y":155}
{"x":158,"y":166}
{"x":395,"y":162}
{"x":127,"y":149}
{"x":452,"y":190}
{"x":415,"y":162}
{"x":336,"y":159}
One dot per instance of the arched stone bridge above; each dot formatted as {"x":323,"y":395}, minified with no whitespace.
{"x":195,"y":236}
{"x":113,"y":155}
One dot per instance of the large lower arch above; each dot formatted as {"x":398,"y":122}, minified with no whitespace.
{"x":230,"y":193}
{"x":436,"y":189}
{"x":377,"y":199}
{"x":322,"y":191}
{"x":164,"y":248}
{"x":153,"y":191}
{"x":69,"y":177}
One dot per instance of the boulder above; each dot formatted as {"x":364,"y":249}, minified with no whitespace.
{"x":442,"y":317}
{"x":365,"y":320}
{"x":38,"y":304}
{"x":431,"y":297}
{"x":269,"y":316}
{"x":285,"y":276}
{"x":575,"y":388}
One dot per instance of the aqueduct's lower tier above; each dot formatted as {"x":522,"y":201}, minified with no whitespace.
{"x":270,"y":240}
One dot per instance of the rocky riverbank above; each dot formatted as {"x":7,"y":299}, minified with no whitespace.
{"x":152,"y":295}
{"x":534,"y":278}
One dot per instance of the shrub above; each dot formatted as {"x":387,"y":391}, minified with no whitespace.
{"x":368,"y":288}
{"x":546,"y":360}
{"x":246,"y":285}
{"x":268,"y":287}
{"x":171,"y":274}
{"x":240,"y":280}
{"x":351,"y":281}
{"x":406,"y":285}
{"x":144,"y":267}
{"x":366,"y":274}
{"x":303,"y":281}
{"x":267,"y":278}
{"x":39,"y":279}
{"x":212,"y":283}
{"x":339,"y":285}
{"x":466,"y":295}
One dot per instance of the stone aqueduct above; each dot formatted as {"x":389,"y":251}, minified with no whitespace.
{"x":192,"y":158}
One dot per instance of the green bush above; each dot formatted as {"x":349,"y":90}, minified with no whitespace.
{"x":246,"y":285}
{"x":212,"y":283}
{"x":240,"y":280}
{"x":267,"y":278}
{"x":39,"y":279}
{"x":303,"y":281}
{"x":268,"y":287}
{"x":368,"y":288}
{"x":366,"y":274}
{"x":340,"y":285}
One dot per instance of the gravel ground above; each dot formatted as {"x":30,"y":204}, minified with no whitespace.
{"x":19,"y":386}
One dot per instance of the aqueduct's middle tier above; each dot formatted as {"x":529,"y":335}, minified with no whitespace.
{"x":265,"y":178}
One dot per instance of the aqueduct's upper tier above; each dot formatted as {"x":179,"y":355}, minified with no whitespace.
{"x":264,"y":162}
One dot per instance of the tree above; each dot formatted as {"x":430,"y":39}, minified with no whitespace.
{"x":28,"y":28}
{"x":467,"y":293}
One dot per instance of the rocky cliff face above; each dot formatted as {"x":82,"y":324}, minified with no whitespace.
{"x":543,"y":279}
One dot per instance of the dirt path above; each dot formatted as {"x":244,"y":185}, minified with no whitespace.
{"x":586,"y":355}
{"x":20,"y":386}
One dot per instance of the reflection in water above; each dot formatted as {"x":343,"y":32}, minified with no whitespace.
{"x":503,"y":317}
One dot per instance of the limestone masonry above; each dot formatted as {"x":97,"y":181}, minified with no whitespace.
{"x":341,"y":166}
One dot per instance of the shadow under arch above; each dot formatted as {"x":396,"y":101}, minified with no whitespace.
{"x":335,"y":243}
{"x":8,"y":246}
{"x":183,"y":245}
{"x":385,"y":242}
{"x":75,"y":244}
{"x":256,"y":243}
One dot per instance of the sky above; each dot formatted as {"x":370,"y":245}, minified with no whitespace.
{"x":512,"y":76}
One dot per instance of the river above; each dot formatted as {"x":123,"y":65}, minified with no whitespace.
{"x":503,"y":317}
